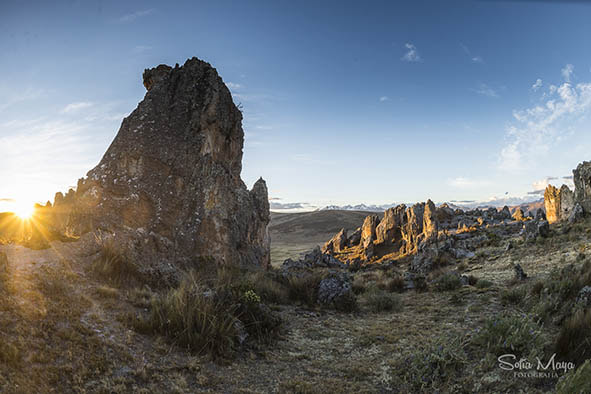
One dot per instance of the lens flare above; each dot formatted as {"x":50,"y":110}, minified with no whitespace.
{"x":24,"y":210}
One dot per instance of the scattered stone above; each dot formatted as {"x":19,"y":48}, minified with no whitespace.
{"x":540,"y":215}
{"x":543,"y":228}
{"x":520,"y":275}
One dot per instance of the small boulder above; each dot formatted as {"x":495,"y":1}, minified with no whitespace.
{"x":520,"y":274}
{"x":543,"y":228}
{"x":336,"y":290}
{"x":584,"y":297}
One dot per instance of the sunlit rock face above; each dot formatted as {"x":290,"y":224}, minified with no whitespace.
{"x":170,"y":181}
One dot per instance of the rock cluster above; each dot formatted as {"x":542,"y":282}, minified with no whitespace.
{"x":565,"y":205}
{"x":169,"y":185}
{"x":421,"y":229}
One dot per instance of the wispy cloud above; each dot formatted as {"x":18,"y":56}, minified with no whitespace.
{"x":473,"y":58}
{"x":537,"y":129}
{"x":485,"y":90}
{"x":567,"y":72}
{"x":412,"y":54}
{"x":384,"y":98}
{"x":9,"y":98}
{"x":537,"y":85}
{"x":141,"y":49}
{"x":234,"y":86}
{"x":467,"y":183}
{"x":75,"y":107}
{"x":135,"y":15}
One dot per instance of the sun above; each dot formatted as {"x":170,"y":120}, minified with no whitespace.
{"x":24,"y":210}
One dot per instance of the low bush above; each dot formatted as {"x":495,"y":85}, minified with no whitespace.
{"x":448,"y":282}
{"x":432,"y":367}
{"x":304,"y":287}
{"x":513,"y":296}
{"x":574,"y":341}
{"x":209,"y":319}
{"x":576,"y":381}
{"x":379,"y":301}
{"x":520,"y":335}
{"x":114,"y":265}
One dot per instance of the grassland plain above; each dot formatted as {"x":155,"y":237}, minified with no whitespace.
{"x":66,"y":329}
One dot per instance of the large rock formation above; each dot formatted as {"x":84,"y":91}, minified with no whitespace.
{"x":561,"y":203}
{"x":582,"y":180}
{"x":169,"y":185}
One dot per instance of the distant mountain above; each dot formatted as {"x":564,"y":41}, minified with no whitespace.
{"x":526,"y":203}
{"x":358,"y":207}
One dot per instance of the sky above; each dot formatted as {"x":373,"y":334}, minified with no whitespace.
{"x":344,"y":102}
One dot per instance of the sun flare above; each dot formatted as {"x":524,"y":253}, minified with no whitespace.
{"x":24,"y":210}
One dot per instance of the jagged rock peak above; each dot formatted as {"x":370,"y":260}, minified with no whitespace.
{"x":170,"y":181}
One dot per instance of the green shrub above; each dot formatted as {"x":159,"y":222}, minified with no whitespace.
{"x":513,"y":296}
{"x":113,"y":265}
{"x":520,"y":335}
{"x":576,"y":381}
{"x":267,"y":285}
{"x":431,"y":366}
{"x":304,"y":288}
{"x":483,"y":283}
{"x":574,"y":341}
{"x":209,"y":319}
{"x":380,"y":301}
{"x":448,"y":282}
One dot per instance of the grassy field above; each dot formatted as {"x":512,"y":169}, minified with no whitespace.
{"x":295,"y":233}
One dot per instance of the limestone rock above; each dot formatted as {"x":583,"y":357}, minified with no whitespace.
{"x":336,"y":243}
{"x":335,"y":289}
{"x":505,"y":213}
{"x":582,"y":180}
{"x":413,"y":227}
{"x":388,"y":231}
{"x":576,"y":214}
{"x":518,"y":214}
{"x":368,"y":230}
{"x":169,"y":185}
{"x":520,"y":275}
{"x":354,"y":238}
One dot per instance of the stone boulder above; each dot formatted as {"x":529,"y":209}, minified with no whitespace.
{"x":169,"y":185}
{"x":558,"y":203}
{"x":336,"y":289}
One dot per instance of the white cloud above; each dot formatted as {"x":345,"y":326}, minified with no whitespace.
{"x":74,"y":107}
{"x":9,"y":98}
{"x":135,"y":15}
{"x":537,"y":130}
{"x":384,"y":98}
{"x":467,"y":183}
{"x":542,"y":183}
{"x":412,"y":55}
{"x":537,"y":85}
{"x":141,"y":49}
{"x":234,"y":86}
{"x":567,"y":72}
{"x":473,"y":58}
{"x":487,"y":91}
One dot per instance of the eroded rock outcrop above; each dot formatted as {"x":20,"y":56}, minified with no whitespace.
{"x":169,"y":185}
{"x":582,"y":181}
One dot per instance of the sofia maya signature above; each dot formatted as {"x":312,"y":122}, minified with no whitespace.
{"x":509,"y":362}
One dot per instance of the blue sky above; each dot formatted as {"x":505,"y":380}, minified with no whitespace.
{"x":344,"y":102}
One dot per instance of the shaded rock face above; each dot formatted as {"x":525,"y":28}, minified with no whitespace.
{"x":170,"y":182}
{"x":389,"y":229}
{"x":582,"y":180}
{"x":337,"y":243}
